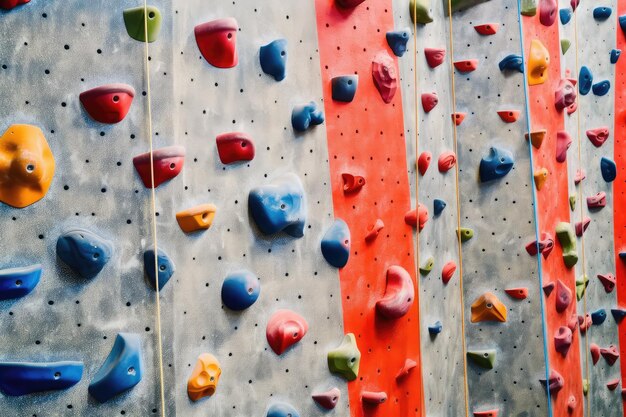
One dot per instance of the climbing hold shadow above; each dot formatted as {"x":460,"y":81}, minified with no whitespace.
{"x":597,"y":201}
{"x":373,"y":232}
{"x":121,"y":370}
{"x":585,"y":80}
{"x":496,"y":165}
{"x":563,"y":142}
{"x":548,"y":288}
{"x":273,"y":57}
{"x":345,"y":359}
{"x":608,"y":169}
{"x":304,"y":116}
{"x":328,"y":399}
{"x":385,"y":77}
{"x":536,"y":137}
{"x":398,"y":40}
{"x":423,"y":162}
{"x":373,"y":398}
{"x":438,"y":206}
{"x":608,"y":281}
{"x":554,"y":383}
{"x":420,"y":11}
{"x":538,"y":62}
{"x":217,"y":42}
{"x":240,"y":290}
{"x":581,"y":226}
{"x":280,"y":206}
{"x":565,"y":95}
{"x":165,"y":264}
{"x":284,"y":329}
{"x":435,"y":328}
{"x":336,"y":244}
{"x":23,"y":378}
{"x":484,"y":358}
{"x":135,"y":22}
{"x":352,"y":183}
{"x":565,"y":234}
{"x":204,"y":378}
{"x":234,"y":147}
{"x":565,"y":15}
{"x":399,"y":294}
{"x":509,"y":116}
{"x":108,"y":103}
{"x":562,"y":340}
{"x":487,"y":307}
{"x":409,"y":365}
{"x":434,"y":56}
{"x":601,"y":13}
{"x":598,"y":317}
{"x":547,"y":12}
{"x":518,"y":293}
{"x":282,"y":410}
{"x":512,"y":63}
{"x":167,"y":164}
{"x":427,"y":266}
{"x":601,"y":88}
{"x":540,"y":176}
{"x":344,"y":87}
{"x":84,"y":252}
{"x":448,"y":271}
{"x":563,"y":296}
{"x":466,"y":66}
{"x":447,"y":161}
{"x":429,"y":101}
{"x":622,"y":23}
{"x":487,"y":28}
{"x":196,"y":218}
{"x":458,"y":118}
{"x":26,"y":166}
{"x":598,"y":135}
{"x":19,"y":282}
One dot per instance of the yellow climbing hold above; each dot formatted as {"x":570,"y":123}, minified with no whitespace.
{"x":538,"y":62}
{"x":540,"y":176}
{"x":420,"y":11}
{"x":204,"y":377}
{"x":565,"y":44}
{"x":537,"y":137}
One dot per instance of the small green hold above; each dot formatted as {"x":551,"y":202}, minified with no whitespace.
{"x":565,"y":44}
{"x":483,"y":358}
{"x":428,"y":266}
{"x":465,"y":233}
{"x":134,"y":19}
{"x":585,"y":386}
{"x":572,"y":202}
{"x":581,"y":286}
{"x":457,"y":5}
{"x":345,"y":359}
{"x":420,"y":11}
{"x":529,"y":7}
{"x":567,"y":238}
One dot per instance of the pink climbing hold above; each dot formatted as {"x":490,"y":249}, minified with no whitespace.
{"x":489,"y":413}
{"x":608,"y":281}
{"x":423,"y":162}
{"x":458,"y":118}
{"x":598,"y":136}
{"x":565,"y":95}
{"x":234,"y":147}
{"x":373,"y":232}
{"x":572,"y":108}
{"x":466,"y":66}
{"x":563,"y":142}
{"x":429,"y":101}
{"x":547,"y":12}
{"x":434,"y":56}
{"x":580,"y":175}
{"x":167,"y":162}
{"x":571,"y":404}
{"x":610,"y":354}
{"x":562,"y":340}
{"x":352,"y":183}
{"x":555,"y":381}
{"x":582,"y":226}
{"x":217,"y":41}
{"x":328,"y":399}
{"x":108,"y":103}
{"x":597,"y":201}
{"x":518,"y":293}
{"x":487,"y":28}
{"x":399,"y":294}
{"x":385,"y":76}
{"x":10,"y":4}
{"x":284,"y":329}
{"x":413,"y":216}
{"x":447,"y":161}
{"x":448,"y":271}
{"x":509,"y":116}
{"x":612,"y":384}
{"x":572,"y":323}
{"x":548,"y":288}
{"x":563,"y":296}
{"x":409,"y":365}
{"x":373,"y":397}
{"x":584,"y":322}
{"x":546,"y":244}
{"x":348,"y":4}
{"x":574,"y":4}
{"x":595,"y":352}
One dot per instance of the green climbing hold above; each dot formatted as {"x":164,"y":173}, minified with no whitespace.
{"x":465,"y":233}
{"x":567,"y":238}
{"x":572,"y":202}
{"x":345,"y":359}
{"x":529,"y":7}
{"x":420,"y":11}
{"x":581,"y":286}
{"x":427,"y":267}
{"x":134,"y":19}
{"x":483,"y":358}
{"x":565,"y":44}
{"x":457,"y":5}
{"x":585,"y":386}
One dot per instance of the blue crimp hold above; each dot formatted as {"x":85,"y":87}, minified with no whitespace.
{"x":565,"y":15}
{"x":240,"y":290}
{"x":166,"y":268}
{"x":282,"y":410}
{"x":84,"y":251}
{"x":601,"y":13}
{"x":274,"y":59}
{"x":336,"y":244}
{"x":598,"y":316}
{"x":618,"y":314}
{"x":438,"y":206}
{"x":512,"y":63}
{"x":304,"y":116}
{"x":344,"y":87}
{"x":608,"y":169}
{"x":22,"y":378}
{"x":435,"y":328}
{"x":585,"y":80}
{"x":601,"y":88}
{"x":615,"y":53}
{"x":397,"y":40}
{"x":18,"y":282}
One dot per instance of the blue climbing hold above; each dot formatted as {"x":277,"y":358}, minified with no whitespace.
{"x":18,"y":282}
{"x":279,"y":207}
{"x":274,"y":59}
{"x":344,"y":87}
{"x":84,"y":251}
{"x":435,"y":328}
{"x":622,"y":256}
{"x":282,"y":410}
{"x":585,"y":80}
{"x":565,"y":15}
{"x":304,"y":116}
{"x":397,"y":40}
{"x":438,"y":206}
{"x":512,"y":63}
{"x":166,"y":268}
{"x":240,"y":290}
{"x":496,"y":165}
{"x":601,"y":88}
{"x":336,"y":244}
{"x":121,"y":370}
{"x":615,"y":53}
{"x":608,"y":168}
{"x":601,"y":13}
{"x":618,"y":314}
{"x":22,"y":378}
{"x":598,"y":316}
{"x":622,"y":23}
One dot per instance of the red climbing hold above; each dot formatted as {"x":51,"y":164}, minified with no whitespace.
{"x":597,"y":201}
{"x":519,"y":293}
{"x":547,"y":12}
{"x":447,"y":271}
{"x":598,"y":135}
{"x":546,"y":244}
{"x":572,"y":323}
{"x":610,"y":354}
{"x":372,"y":234}
{"x":584,"y":322}
{"x":406,"y":369}
{"x":348,"y":4}
{"x":563,"y":296}
{"x":168,"y":162}
{"x":411,"y":217}
{"x":447,"y":161}
{"x":571,"y":404}
{"x":574,"y":4}
{"x":489,"y":413}
{"x":562,"y":340}
{"x":434,"y":56}
{"x":217,"y":41}
{"x":509,"y":116}
{"x":284,"y":329}
{"x":563,"y":142}
{"x":612,"y":384}
{"x":572,"y":108}
{"x":580,"y":175}
{"x":467,"y":65}
{"x":9,"y":4}
{"x":487,"y":28}
{"x":399,"y":294}
{"x":352,"y":183}
{"x":385,"y":76}
{"x":548,"y":288}
{"x":423,"y":162}
{"x":373,"y":398}
{"x":564,"y":95}
{"x":582,"y":226}
{"x":458,"y":118}
{"x":234,"y":147}
{"x":108,"y":103}
{"x":608,"y":281}
{"x":429,"y":101}
{"x":555,"y":381}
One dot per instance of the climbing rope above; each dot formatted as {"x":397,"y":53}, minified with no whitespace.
{"x":458,"y":210}
{"x":153,"y":211}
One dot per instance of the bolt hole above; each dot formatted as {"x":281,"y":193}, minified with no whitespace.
{"x":349,"y":82}
{"x":244,"y":144}
{"x":162,"y":267}
{"x":250,"y":290}
{"x":57,"y":375}
{"x":282,"y":206}
{"x":131,"y":371}
{"x":116,"y":99}
{"x":18,"y":283}
{"x":96,"y":255}
{"x":30,"y":168}
{"x":151,"y":15}
{"x":229,"y":36}
{"x":172,"y":165}
{"x":282,"y":53}
{"x":489,"y":305}
{"x":295,"y":335}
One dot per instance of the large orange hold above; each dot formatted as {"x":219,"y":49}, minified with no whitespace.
{"x":26,"y":166}
{"x":487,"y":307}
{"x":204,"y":378}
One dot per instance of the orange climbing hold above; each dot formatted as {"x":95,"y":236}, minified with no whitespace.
{"x":518,"y":293}
{"x":352,"y":183}
{"x":540,"y":176}
{"x":487,"y":307}
{"x":487,"y":28}
{"x":509,"y":116}
{"x":423,"y":162}
{"x":467,"y":65}
{"x":538,"y":62}
{"x":447,"y":161}
{"x":458,"y":118}
{"x":373,"y":232}
{"x":196,"y":218}
{"x":536,"y":137}
{"x":448,"y":271}
{"x":204,"y":377}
